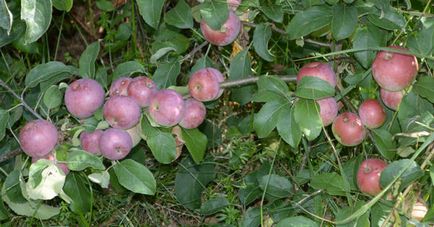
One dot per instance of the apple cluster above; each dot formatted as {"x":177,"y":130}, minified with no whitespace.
{"x":392,"y":71}
{"x":122,"y":111}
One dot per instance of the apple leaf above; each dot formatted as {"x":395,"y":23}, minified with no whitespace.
{"x":297,"y":221}
{"x":310,"y":87}
{"x":151,"y":11}
{"x":135,"y":177}
{"x":333,"y":183}
{"x":306,"y":114}
{"x":37,"y":15}
{"x":266,"y":119}
{"x":344,"y":21}
{"x":180,"y":16}
{"x":87,"y":60}
{"x":261,"y":37}
{"x":79,"y":160}
{"x":288,"y":129}
{"x":161,"y":143}
{"x":308,"y":21}
{"x":196,"y":143}
{"x":424,"y":87}
{"x":77,"y":188}
{"x":215,"y":13}
{"x":412,"y":173}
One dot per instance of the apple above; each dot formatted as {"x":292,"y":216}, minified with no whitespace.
{"x":115,"y":144}
{"x":83,"y":97}
{"x":391,"y":99}
{"x":394,"y":71}
{"x":368,"y":176}
{"x":348,"y":129}
{"x":166,"y":107}
{"x":38,"y":138}
{"x":194,"y":115}
{"x":204,"y":84}
{"x":226,"y":34}
{"x":372,"y":114}
{"x":328,"y":110}
{"x":120,"y":86}
{"x":320,"y":70}
{"x":121,"y":112}
{"x":90,"y":141}
{"x":141,"y":89}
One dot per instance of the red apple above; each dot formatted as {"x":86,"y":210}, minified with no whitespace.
{"x":348,"y":129}
{"x":391,"y":99}
{"x":372,"y":113}
{"x":368,"y":176}
{"x":38,"y":138}
{"x":120,"y":86}
{"x":166,"y":107}
{"x":115,"y":144}
{"x":328,"y":110}
{"x":194,"y":115}
{"x":141,"y":89}
{"x":226,"y":34}
{"x":320,"y":70}
{"x":204,"y":84}
{"x":121,"y":112}
{"x":90,"y":141}
{"x":394,"y":71}
{"x":83,"y":97}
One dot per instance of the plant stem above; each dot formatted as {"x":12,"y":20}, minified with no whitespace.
{"x":25,"y":105}
{"x":251,"y":80}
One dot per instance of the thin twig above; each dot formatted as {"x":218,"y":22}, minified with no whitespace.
{"x":8,"y":155}
{"x":251,"y":80}
{"x":196,"y":49}
{"x":4,"y":85}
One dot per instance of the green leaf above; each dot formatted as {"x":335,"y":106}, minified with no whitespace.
{"x":13,"y":197}
{"x":160,"y":53}
{"x":48,"y":72}
{"x":161,"y":143}
{"x":424,"y":87}
{"x":411,"y":174}
{"x":266,"y":119}
{"x":150,"y":10}
{"x":346,"y":212}
{"x":53,"y":97}
{"x":166,"y":37}
{"x":127,"y":69}
{"x":367,"y":37}
{"x":4,"y":214}
{"x":79,"y":160}
{"x":37,"y":15}
{"x":333,"y":183}
{"x":422,"y":42}
{"x":261,"y":37}
{"x":387,"y":18}
{"x":4,"y":119}
{"x":191,"y":180}
{"x":77,"y":188}
{"x":46,"y":180}
{"x":6,"y":17}
{"x":272,"y":10}
{"x":215,"y":13}
{"x":180,"y":16}
{"x":271,"y":88}
{"x":306,"y":114}
{"x":101,"y":178}
{"x":105,"y":5}
{"x":167,"y":73}
{"x":63,"y":5}
{"x":288,"y":129}
{"x":277,"y":187}
{"x":311,"y":87}
{"x":297,"y":221}
{"x":308,"y":21}
{"x":18,"y":28}
{"x":240,"y":67}
{"x":87,"y":60}
{"x":196,"y":143}
{"x":384,"y":143}
{"x":135,"y":177}
{"x":252,"y":217}
{"x":344,"y":21}
{"x":213,"y":205}
{"x":411,"y":106}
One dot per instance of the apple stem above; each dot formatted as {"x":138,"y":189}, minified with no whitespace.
{"x":251,"y":80}
{"x":25,"y":105}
